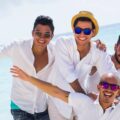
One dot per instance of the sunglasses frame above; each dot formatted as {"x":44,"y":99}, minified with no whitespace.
{"x":45,"y":35}
{"x":106,"y":85}
{"x":86,"y":31}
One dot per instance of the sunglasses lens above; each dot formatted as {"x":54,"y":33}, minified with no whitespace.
{"x":87,"y":31}
{"x":114,"y":87}
{"x":47,"y":35}
{"x":78,"y":30}
{"x":105,"y":85}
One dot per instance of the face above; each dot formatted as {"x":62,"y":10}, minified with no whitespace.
{"x":42,"y":35}
{"x":117,"y":53}
{"x":107,"y":95}
{"x":83,"y":39}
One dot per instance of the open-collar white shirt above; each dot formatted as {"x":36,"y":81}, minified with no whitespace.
{"x":25,"y":95}
{"x":86,"y":109}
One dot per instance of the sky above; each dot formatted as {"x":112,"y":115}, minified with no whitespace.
{"x":17,"y":16}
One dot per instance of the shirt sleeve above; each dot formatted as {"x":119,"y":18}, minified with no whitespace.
{"x":7,"y":51}
{"x":79,"y":100}
{"x":63,"y":61}
{"x":104,"y":63}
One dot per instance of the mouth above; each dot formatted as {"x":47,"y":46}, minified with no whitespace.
{"x":82,"y":38}
{"x":108,"y":94}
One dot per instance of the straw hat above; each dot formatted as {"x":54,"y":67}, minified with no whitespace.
{"x":88,"y":15}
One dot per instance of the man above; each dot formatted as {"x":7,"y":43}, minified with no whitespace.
{"x":36,"y":57}
{"x":74,"y":58}
{"x":94,"y":78}
{"x":84,"y":108}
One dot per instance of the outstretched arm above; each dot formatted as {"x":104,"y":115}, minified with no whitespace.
{"x":46,"y":87}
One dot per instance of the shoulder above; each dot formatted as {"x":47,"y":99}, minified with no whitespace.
{"x":79,"y":99}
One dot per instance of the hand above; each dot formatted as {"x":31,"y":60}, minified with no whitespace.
{"x":17,"y":72}
{"x":101,"y":45}
{"x":93,"y":70}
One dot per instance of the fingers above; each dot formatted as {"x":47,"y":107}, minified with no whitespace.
{"x":15,"y":71}
{"x":100,"y":45}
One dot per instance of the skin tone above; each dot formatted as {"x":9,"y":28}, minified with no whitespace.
{"x":82,"y":40}
{"x":116,"y":57}
{"x":39,"y":47}
{"x":83,"y":46}
{"x":106,"y":96}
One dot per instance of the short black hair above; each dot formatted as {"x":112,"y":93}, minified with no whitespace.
{"x":84,"y":19}
{"x":118,"y":42}
{"x":44,"y":20}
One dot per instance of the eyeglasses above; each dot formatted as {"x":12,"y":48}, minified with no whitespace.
{"x":40,"y":35}
{"x":86,"y":31}
{"x":107,"y":85}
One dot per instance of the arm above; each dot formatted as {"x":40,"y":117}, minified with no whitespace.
{"x":46,"y":87}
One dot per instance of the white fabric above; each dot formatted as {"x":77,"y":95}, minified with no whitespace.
{"x":86,"y":109}
{"x":92,"y":81}
{"x":68,"y":67}
{"x":25,"y":95}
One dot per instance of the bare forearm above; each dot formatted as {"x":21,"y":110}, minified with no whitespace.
{"x":77,"y":87}
{"x":50,"y":89}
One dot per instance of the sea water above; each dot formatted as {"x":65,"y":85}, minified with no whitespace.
{"x":107,"y":34}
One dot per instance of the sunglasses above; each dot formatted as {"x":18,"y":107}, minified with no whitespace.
{"x":40,"y":35}
{"x":106,"y":85}
{"x":86,"y":31}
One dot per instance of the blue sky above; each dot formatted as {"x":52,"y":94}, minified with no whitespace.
{"x":17,"y":16}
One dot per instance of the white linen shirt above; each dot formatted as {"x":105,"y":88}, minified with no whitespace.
{"x":25,"y":95}
{"x":68,"y":67}
{"x":86,"y":109}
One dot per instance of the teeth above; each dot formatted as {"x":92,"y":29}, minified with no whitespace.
{"x":82,"y":38}
{"x":41,"y":41}
{"x":108,"y":94}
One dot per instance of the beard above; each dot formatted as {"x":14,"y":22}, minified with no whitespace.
{"x":116,"y":57}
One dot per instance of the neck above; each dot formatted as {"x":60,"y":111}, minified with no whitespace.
{"x":38,"y":50}
{"x":105,"y":105}
{"x":83,"y":50}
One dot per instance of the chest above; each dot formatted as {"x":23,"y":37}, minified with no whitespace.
{"x":40,"y":62}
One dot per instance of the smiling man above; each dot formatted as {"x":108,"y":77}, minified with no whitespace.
{"x":36,"y":57}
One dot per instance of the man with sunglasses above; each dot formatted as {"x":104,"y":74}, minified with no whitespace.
{"x":36,"y":57}
{"x":74,"y":57}
{"x":84,"y":108}
{"x":94,"y":77}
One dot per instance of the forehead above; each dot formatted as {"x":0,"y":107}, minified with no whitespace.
{"x":110,"y":79}
{"x":84,"y":24}
{"x":42,"y":28}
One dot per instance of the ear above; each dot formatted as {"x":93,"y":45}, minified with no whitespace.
{"x":115,"y":47}
{"x":98,"y":87}
{"x":93,"y":32}
{"x":52,"y":36}
{"x":32,"y":32}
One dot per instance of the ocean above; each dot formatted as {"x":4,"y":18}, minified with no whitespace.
{"x":107,"y":34}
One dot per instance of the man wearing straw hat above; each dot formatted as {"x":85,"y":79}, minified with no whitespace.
{"x":74,"y":58}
